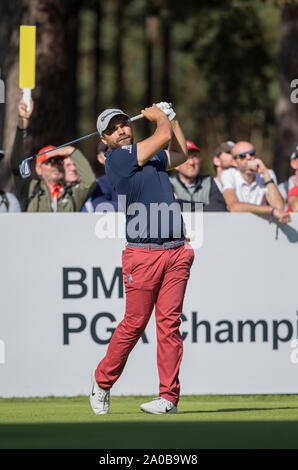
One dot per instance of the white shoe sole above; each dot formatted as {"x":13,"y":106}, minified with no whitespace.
{"x":171,"y":411}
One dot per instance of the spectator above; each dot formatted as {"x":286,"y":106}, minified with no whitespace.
{"x":71,"y":176}
{"x":8,"y":201}
{"x":188,"y":186}
{"x":49,"y":191}
{"x":292,"y":196}
{"x":104,"y":191}
{"x":293,"y":199}
{"x":251,"y":187}
{"x":223,"y":160}
{"x":288,"y":189}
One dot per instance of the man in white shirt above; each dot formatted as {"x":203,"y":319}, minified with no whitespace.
{"x":251,"y":187}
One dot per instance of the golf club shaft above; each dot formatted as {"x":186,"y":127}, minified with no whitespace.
{"x":135,"y":118}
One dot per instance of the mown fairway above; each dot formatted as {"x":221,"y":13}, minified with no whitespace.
{"x":203,"y":422}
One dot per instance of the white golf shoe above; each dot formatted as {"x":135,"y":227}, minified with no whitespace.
{"x":159,"y":406}
{"x":99,"y":398}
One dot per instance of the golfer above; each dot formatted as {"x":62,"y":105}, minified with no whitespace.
{"x":157,"y":260}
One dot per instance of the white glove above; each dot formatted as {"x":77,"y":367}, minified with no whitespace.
{"x":167,"y":109}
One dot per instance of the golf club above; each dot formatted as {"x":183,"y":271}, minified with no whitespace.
{"x":25,"y":168}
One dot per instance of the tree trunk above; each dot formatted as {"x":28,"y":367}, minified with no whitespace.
{"x":166,"y":55}
{"x":119,"y":65}
{"x":151,"y":33}
{"x":54,"y":118}
{"x":97,"y":53}
{"x":286,"y":137}
{"x":10,"y":19}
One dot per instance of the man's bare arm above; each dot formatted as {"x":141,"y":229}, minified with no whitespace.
{"x":235,"y":205}
{"x":177,"y":151}
{"x":24,"y":115}
{"x":161,"y":137}
{"x":62,"y":152}
{"x":273,"y":195}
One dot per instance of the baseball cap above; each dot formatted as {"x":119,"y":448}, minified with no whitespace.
{"x":192,"y":146}
{"x":105,"y":117}
{"x":224,"y":147}
{"x":43,"y":158}
{"x":295,"y":153}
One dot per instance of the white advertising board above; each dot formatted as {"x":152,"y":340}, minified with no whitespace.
{"x":62,"y":295}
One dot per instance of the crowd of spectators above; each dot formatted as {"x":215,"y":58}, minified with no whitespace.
{"x":63,"y":180}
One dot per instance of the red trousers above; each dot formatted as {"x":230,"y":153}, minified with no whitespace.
{"x":151,"y":277}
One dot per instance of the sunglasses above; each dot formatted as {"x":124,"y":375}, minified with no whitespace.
{"x":54,"y":161}
{"x":243,"y":154}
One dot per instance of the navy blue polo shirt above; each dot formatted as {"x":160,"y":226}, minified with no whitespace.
{"x":152,"y":213}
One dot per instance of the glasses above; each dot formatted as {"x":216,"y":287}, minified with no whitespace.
{"x":243,"y":154}
{"x":53,"y":161}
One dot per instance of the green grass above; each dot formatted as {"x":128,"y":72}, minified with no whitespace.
{"x":203,"y":422}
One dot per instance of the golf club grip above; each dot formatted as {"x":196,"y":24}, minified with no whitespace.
{"x":135,"y":118}
{"x":139,"y":116}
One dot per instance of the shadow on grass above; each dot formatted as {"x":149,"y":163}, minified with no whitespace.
{"x":159,"y":435}
{"x":228,"y":410}
{"x":224,"y":410}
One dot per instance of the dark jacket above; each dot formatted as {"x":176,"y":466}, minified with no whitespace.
{"x":206,"y":192}
{"x":103,"y":192}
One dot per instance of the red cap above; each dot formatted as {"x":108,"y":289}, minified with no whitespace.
{"x":42,"y":158}
{"x":192,"y":146}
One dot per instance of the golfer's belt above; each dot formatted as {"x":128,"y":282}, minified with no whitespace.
{"x":162,"y":246}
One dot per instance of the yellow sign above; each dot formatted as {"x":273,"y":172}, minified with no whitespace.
{"x":27,"y":56}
